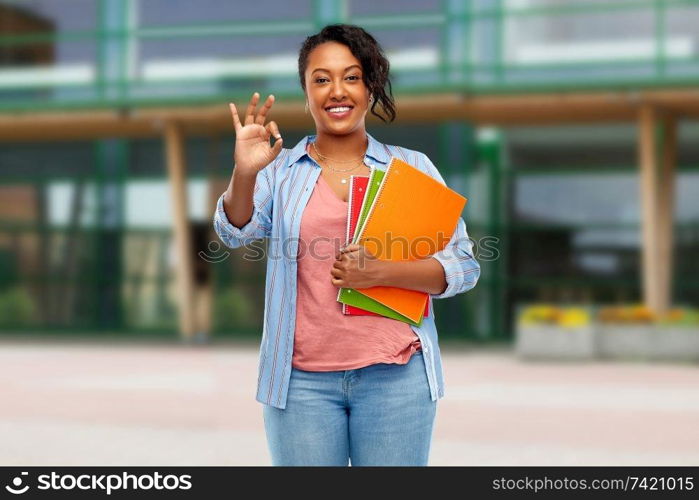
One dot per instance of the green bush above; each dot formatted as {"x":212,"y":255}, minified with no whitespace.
{"x":16,"y":307}
{"x":233,"y":309}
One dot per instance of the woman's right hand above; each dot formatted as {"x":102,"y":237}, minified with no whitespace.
{"x":252,"y":149}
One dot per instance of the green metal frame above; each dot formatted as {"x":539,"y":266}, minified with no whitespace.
{"x":453,"y":17}
{"x":457,"y":73}
{"x":494,"y":273}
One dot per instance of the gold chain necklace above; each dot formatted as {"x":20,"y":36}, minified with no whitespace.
{"x":343,"y":180}
{"x":321,"y":155}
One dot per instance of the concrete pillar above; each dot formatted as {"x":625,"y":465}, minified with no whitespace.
{"x":657,"y":156}
{"x":176,"y":167}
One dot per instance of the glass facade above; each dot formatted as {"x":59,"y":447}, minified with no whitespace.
{"x":113,"y":52}
{"x":86,"y":226}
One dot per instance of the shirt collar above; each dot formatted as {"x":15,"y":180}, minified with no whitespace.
{"x":375,"y":150}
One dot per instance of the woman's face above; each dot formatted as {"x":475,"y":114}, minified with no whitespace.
{"x":334,"y":79}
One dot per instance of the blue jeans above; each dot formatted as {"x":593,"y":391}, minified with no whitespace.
{"x":381,"y":414}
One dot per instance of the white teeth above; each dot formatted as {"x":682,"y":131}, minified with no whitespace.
{"x":338,"y":110}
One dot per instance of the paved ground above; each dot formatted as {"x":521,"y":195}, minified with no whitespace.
{"x":129,"y":404}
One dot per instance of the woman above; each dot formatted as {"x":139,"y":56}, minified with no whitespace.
{"x":336,"y":389}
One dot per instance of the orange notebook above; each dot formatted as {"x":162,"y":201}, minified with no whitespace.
{"x":357,"y":190}
{"x":413,"y":216}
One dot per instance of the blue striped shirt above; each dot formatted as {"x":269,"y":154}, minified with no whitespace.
{"x":281,"y":192}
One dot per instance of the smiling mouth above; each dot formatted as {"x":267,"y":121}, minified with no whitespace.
{"x":339,"y":112}
{"x":343,"y":109}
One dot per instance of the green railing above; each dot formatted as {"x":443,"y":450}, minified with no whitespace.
{"x":468,"y":46}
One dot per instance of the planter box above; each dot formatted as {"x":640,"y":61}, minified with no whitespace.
{"x":625,"y":341}
{"x":676,"y":343}
{"x":541,"y":341}
{"x":537,"y":337}
{"x":648,"y":342}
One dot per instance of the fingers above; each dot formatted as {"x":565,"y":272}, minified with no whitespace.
{"x":274,"y":129}
{"x":271,"y":129}
{"x":236,"y":119}
{"x":250,"y":117}
{"x":277,"y":147}
{"x":249,"y":112}
{"x":352,"y":247}
{"x":350,"y":251}
{"x":261,"y":116}
{"x":337,"y":275}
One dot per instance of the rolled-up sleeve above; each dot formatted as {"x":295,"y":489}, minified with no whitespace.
{"x":260,"y":224}
{"x":461,"y":269}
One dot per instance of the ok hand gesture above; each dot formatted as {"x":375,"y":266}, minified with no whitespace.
{"x":252,"y":149}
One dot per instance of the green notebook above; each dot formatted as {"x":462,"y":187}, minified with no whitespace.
{"x":350,"y":296}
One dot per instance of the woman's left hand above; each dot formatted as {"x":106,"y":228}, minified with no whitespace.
{"x":355,"y":267}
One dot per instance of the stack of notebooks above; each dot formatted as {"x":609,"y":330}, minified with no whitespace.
{"x":401,"y":214}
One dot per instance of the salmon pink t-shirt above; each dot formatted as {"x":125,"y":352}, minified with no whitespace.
{"x":325,"y":339}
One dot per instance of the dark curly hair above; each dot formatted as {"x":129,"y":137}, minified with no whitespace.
{"x":375,"y":66}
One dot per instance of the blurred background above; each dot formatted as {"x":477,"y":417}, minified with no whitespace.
{"x":570,"y":125}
